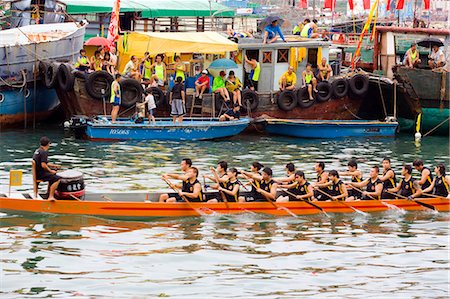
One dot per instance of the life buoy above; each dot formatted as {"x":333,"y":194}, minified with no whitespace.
{"x":323,"y":91}
{"x":287,"y":100}
{"x":98,"y":81}
{"x":303,"y":98}
{"x":250,"y":100}
{"x":359,"y":84}
{"x":339,"y":87}
{"x":158,"y":94}
{"x":65,"y":77}
{"x":131,"y":92}
{"x":50,"y":73}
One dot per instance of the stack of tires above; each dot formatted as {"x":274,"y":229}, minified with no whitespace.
{"x":57,"y":75}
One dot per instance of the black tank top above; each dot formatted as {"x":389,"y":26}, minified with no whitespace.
{"x":407,"y":187}
{"x":253,"y":192}
{"x":371,"y":186}
{"x":429,"y":179}
{"x":336,"y":189}
{"x":441,"y":187}
{"x":223,"y":184}
{"x":230,"y":186}
{"x":188,"y":187}
{"x":356,"y":179}
{"x":300,"y":190}
{"x":266,"y":186}
{"x":391,"y":182}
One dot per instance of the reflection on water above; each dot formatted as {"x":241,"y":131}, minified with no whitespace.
{"x":344,"y":256}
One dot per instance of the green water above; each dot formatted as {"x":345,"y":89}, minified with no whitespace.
{"x":382,"y":255}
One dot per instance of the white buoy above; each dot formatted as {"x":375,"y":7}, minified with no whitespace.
{"x":418,"y":136}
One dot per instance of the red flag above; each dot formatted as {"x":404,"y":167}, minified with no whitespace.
{"x":350,"y":4}
{"x":331,"y":4}
{"x":400,"y":4}
{"x":303,"y":4}
{"x":366,"y":4}
{"x":388,"y":5}
{"x":113,"y":30}
{"x":426,"y":4}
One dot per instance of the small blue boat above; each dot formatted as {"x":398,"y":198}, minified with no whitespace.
{"x":330,"y":128}
{"x":164,"y":129}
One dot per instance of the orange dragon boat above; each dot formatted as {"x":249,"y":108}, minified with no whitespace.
{"x":143,"y":205}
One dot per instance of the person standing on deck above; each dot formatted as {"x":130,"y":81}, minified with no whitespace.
{"x":191,"y":189}
{"x":440,"y":185}
{"x":324,"y":71}
{"x":389,"y":180}
{"x":180,"y":68}
{"x":254,"y":74}
{"x":408,"y":186}
{"x":44,"y":169}
{"x":271,"y":31}
{"x":147,"y":67}
{"x":309,"y":81}
{"x":426,"y":177}
{"x":322,"y":181}
{"x":288,"y":80}
{"x":300,"y":187}
{"x":356,"y":178}
{"x":115,"y":99}
{"x":177,"y":101}
{"x":159,"y":68}
{"x":374,"y":186}
{"x":412,"y":58}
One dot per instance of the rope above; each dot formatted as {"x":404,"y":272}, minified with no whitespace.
{"x":382,"y":97}
{"x":353,"y":114}
{"x":24,"y":78}
{"x":436,"y":127}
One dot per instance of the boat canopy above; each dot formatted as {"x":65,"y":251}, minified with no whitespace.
{"x":152,"y":9}
{"x":136,"y":43}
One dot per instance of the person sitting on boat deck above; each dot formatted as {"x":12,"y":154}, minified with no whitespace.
{"x":101,"y":49}
{"x":83,"y":63}
{"x":306,"y":29}
{"x":374,"y":186}
{"x":177,"y":101}
{"x":202,"y":84}
{"x":300,"y":187}
{"x":288,"y":80}
{"x":440,"y":184}
{"x":389,"y":179}
{"x":408,"y":186}
{"x":231,"y":114}
{"x":149,"y":102}
{"x":322,"y":181}
{"x":116,"y":96}
{"x":315,"y":29}
{"x":266,"y":190}
{"x":229,"y":192}
{"x":222,"y":176}
{"x":219,"y":86}
{"x":160,"y":70}
{"x":436,"y":58}
{"x":45,"y":171}
{"x":131,"y":69}
{"x":271,"y":31}
{"x":298,"y":28}
{"x":191,"y":189}
{"x":426,"y":177}
{"x":337,"y":189}
{"x":96,"y":61}
{"x":113,"y":60}
{"x":253,"y":77}
{"x":147,"y":67}
{"x":180,"y":68}
{"x":234,"y":86}
{"x":244,"y":34}
{"x":309,"y":81}
{"x":324,"y":70}
{"x":412,"y":58}
{"x":106,"y":64}
{"x":255,"y":169}
{"x":356,"y":178}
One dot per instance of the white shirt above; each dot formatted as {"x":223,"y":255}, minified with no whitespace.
{"x":128,"y":67}
{"x":437,"y":56}
{"x":150,"y":101}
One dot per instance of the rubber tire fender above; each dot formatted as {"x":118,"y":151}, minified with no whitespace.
{"x":66,"y":78}
{"x":303,"y":98}
{"x":250,"y":99}
{"x":287,"y":100}
{"x":92,"y":87}
{"x":50,"y":75}
{"x":158,"y":94}
{"x":131,"y":91}
{"x":324,"y":91}
{"x":339,"y":87}
{"x":359,"y":84}
{"x":42,"y":68}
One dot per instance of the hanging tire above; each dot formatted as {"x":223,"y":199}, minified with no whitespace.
{"x":339,"y":87}
{"x":97,"y":81}
{"x":359,"y":84}
{"x":158,"y":94}
{"x":80,"y":74}
{"x":250,"y":100}
{"x":42,"y":68}
{"x":324,"y":91}
{"x":131,"y":92}
{"x":287,"y":100}
{"x":303,"y":98}
{"x":66,"y":78}
{"x":50,"y":75}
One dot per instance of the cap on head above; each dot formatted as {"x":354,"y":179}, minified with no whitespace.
{"x":205,"y":72}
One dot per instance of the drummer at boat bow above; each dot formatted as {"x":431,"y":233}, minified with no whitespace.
{"x":426,"y":177}
{"x":356,"y":178}
{"x":440,"y":184}
{"x":408,"y":186}
{"x":191,"y":189}
{"x":265,"y":186}
{"x":44,"y":171}
{"x":389,"y":179}
{"x":299,"y":190}
{"x":374,"y":186}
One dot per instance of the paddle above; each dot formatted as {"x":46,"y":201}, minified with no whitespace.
{"x":416,"y":201}
{"x":222,"y":194}
{"x":343,"y":203}
{"x":308,"y":202}
{"x":433,"y":195}
{"x":390,"y":206}
{"x":174,"y":188}
{"x":271,"y":201}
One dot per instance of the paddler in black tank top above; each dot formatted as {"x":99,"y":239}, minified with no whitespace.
{"x":185,"y":164}
{"x":322,"y":182}
{"x":267,"y":189}
{"x":388,"y":178}
{"x":356,"y":178}
{"x":407,"y":187}
{"x":255,"y":177}
{"x":190,"y":189}
{"x":222,"y":167}
{"x":300,"y":188}
{"x":231,"y":191}
{"x":426,"y":177}
{"x":440,"y":186}
{"x":337,"y":191}
{"x":288,"y":179}
{"x":374,"y":186}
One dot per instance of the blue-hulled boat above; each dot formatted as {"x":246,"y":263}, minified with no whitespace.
{"x":164,"y":129}
{"x":330,"y":128}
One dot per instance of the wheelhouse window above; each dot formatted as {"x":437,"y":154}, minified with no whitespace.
{"x":283,"y":56}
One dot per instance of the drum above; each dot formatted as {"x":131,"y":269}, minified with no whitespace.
{"x":71,"y":183}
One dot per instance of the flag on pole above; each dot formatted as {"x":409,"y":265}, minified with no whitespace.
{"x":113,"y":30}
{"x":366,"y":4}
{"x":364,"y":31}
{"x":426,"y":4}
{"x":400,"y":4}
{"x":350,"y":4}
{"x":331,"y":4}
{"x":303,"y":4}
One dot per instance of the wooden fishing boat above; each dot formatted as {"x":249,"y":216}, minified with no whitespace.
{"x":164,"y":129}
{"x":330,"y":128}
{"x":145,"y":205}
